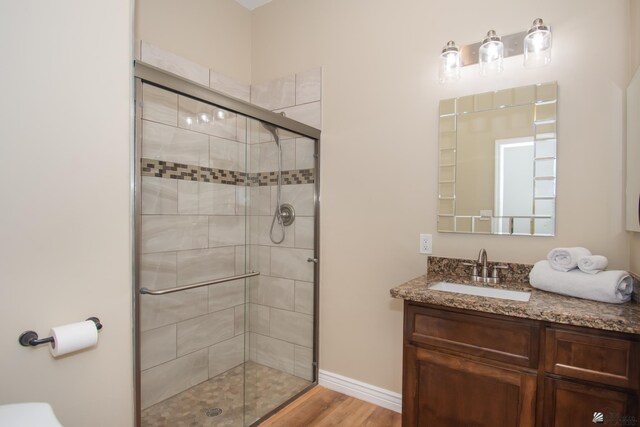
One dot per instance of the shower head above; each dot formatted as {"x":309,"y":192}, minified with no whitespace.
{"x":273,"y":130}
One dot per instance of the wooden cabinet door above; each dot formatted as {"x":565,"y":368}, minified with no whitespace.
{"x":569,"y":404}
{"x":452,"y":391}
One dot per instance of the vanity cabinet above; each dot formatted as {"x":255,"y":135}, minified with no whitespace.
{"x":465,"y":368}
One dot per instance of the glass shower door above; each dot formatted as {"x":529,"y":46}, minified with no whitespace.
{"x":225,"y":263}
{"x":192,"y":188}
{"x":281,"y":246}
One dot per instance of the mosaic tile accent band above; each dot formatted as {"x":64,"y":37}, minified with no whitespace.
{"x":172,"y":170}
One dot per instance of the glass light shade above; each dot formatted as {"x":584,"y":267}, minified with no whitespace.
{"x":450,"y":63}
{"x":491,"y":54}
{"x":537,"y":45}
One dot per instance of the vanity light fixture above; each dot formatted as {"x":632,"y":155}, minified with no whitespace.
{"x":534,"y":44}
{"x":537,"y":45}
{"x":491,"y":54}
{"x":450,"y":63}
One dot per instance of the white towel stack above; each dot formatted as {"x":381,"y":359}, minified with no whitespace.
{"x":575,"y":272}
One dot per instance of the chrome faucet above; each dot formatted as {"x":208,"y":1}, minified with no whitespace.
{"x":482,"y":261}
{"x":484,"y":269}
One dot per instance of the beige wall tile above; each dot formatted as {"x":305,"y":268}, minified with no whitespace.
{"x":303,"y":365}
{"x":226,"y":295}
{"x":304,"y":297}
{"x":274,"y":94}
{"x":205,"y":264}
{"x":259,"y":319}
{"x":225,"y":153}
{"x":229,"y":86}
{"x":162,"y":233}
{"x":201,"y":117}
{"x":299,"y":195}
{"x":292,"y":263}
{"x":240,"y":259}
{"x":260,"y":259}
{"x":251,"y":350}
{"x":168,"y":379}
{"x":308,"y":86}
{"x":156,"y":311}
{"x":226,"y":230}
{"x":173,"y":63}
{"x":204,"y":331}
{"x":241,"y":199}
{"x":226,"y":355}
{"x":206,"y":198}
{"x":159,"y":195}
{"x":157,"y":346}
{"x":309,"y":114}
{"x":240,"y":312}
{"x":305,"y":150}
{"x":188,"y":199}
{"x":292,"y":327}
{"x":275,"y":353}
{"x":264,"y":156}
{"x":242,"y":129}
{"x":304,"y":232}
{"x":276,"y":292}
{"x":162,"y":142}
{"x":259,"y":200}
{"x":159,"y":105}
{"x":216,"y":199}
{"x":264,"y":232}
{"x":158,"y":271}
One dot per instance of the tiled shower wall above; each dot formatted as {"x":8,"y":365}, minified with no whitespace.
{"x":193,"y":230}
{"x":281,"y":298}
{"x":196,"y":188}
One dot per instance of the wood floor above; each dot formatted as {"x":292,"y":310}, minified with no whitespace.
{"x":321,"y":407}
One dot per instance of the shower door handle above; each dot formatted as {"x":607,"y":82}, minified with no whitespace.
{"x":314,"y":260}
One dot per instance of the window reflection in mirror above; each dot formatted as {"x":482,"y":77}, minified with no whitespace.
{"x":497,"y":163}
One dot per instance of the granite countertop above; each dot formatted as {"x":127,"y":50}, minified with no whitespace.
{"x":542,"y":305}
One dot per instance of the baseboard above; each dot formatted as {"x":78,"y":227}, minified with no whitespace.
{"x":359,"y":390}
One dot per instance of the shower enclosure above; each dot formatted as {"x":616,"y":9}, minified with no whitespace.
{"x":226,"y":250}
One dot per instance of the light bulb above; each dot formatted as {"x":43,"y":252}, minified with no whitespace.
{"x":450,"y":63}
{"x":491,"y":53}
{"x":537,"y":45}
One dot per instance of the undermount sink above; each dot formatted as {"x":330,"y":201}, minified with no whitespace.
{"x":481,"y":291}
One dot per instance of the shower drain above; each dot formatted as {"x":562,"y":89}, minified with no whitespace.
{"x":213,"y":412}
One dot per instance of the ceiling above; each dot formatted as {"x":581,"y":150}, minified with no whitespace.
{"x":252,"y":4}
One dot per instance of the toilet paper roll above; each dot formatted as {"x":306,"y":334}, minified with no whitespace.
{"x":73,"y":337}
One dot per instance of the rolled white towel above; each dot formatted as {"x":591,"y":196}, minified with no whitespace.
{"x":565,"y":259}
{"x":613,"y":286}
{"x":593,"y":264}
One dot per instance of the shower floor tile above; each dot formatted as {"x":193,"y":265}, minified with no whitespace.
{"x":265,"y":389}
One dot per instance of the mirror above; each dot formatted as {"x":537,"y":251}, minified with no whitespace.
{"x":497,"y":162}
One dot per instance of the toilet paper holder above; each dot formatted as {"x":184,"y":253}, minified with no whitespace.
{"x":30,"y":338}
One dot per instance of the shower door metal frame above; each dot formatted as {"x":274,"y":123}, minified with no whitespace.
{"x":144,"y":73}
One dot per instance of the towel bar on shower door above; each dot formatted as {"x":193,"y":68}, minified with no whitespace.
{"x":146,"y":291}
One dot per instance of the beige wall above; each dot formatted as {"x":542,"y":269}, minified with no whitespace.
{"x":213,"y":33}
{"x":65,"y":252}
{"x":634,"y":63}
{"x":379,"y":146}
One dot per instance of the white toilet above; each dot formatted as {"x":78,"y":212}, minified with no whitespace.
{"x":32,"y":414}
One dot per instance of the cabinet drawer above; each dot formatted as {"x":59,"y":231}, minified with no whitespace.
{"x":512,"y":341}
{"x":602,"y":359}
